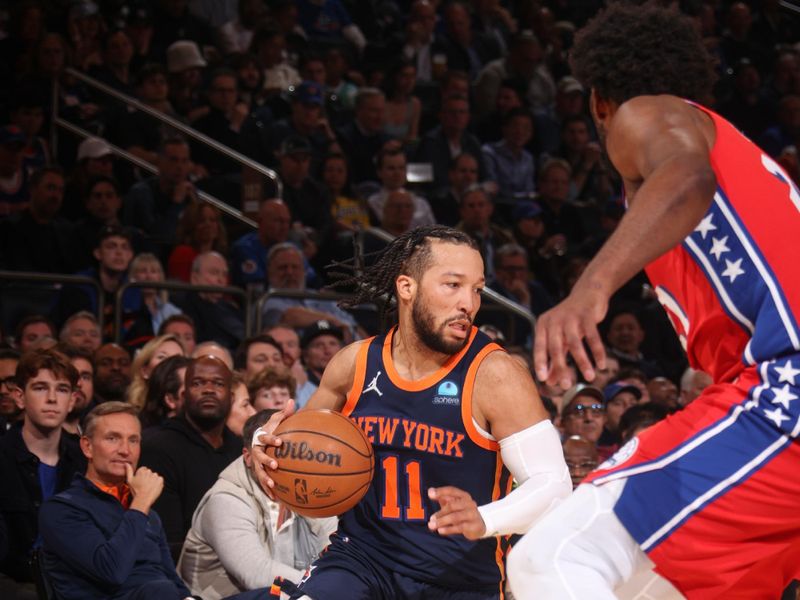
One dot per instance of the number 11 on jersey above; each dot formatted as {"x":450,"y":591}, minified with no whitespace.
{"x":413,"y":510}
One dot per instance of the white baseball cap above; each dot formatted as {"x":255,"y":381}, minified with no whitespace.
{"x":93,"y":147}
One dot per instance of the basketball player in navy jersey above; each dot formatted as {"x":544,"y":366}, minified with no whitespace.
{"x":452,"y":420}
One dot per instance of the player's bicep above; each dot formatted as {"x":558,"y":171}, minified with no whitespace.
{"x":506,"y":396}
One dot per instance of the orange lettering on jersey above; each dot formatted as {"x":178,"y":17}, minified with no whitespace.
{"x":386,"y":429}
{"x":437,"y":437}
{"x":453,"y":444}
{"x":369,"y":423}
{"x":408,"y":427}
{"x":421,"y":439}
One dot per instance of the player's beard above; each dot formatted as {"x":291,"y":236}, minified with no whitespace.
{"x":424,"y":324}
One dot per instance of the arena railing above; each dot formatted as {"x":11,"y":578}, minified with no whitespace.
{"x":54,"y":280}
{"x":182,"y":287}
{"x":501,"y":302}
{"x":172,"y":122}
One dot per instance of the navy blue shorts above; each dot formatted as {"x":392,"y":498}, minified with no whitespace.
{"x":343,"y":573}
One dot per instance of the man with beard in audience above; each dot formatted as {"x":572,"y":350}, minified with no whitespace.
{"x":112,"y":372}
{"x":84,"y":390}
{"x":9,"y":390}
{"x":189,"y":451}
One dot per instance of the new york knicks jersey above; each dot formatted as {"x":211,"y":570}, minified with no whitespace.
{"x":731,"y":288}
{"x":424,"y":436}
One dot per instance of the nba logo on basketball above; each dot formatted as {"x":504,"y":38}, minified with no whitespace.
{"x":300,"y":491}
{"x":446,"y":393}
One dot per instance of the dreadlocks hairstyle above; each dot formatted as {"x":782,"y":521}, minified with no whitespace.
{"x":407,"y":254}
{"x":629,"y":50}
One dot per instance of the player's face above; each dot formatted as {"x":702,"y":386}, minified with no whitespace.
{"x":448,"y":297}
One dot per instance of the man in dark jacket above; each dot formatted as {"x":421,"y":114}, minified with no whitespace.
{"x":37,"y":459}
{"x":101,"y":538}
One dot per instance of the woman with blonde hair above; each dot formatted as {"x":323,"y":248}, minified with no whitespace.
{"x":156,"y":307}
{"x":152,"y":353}
{"x":200,"y":230}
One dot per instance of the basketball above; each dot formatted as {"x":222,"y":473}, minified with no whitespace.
{"x":325,"y":463}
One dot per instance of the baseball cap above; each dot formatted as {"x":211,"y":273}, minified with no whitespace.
{"x":294,"y":144}
{"x":318,"y":328}
{"x":569,"y":84}
{"x":93,"y":147}
{"x":527,"y":210}
{"x":581,"y":389}
{"x":108,"y":231}
{"x":182,"y":55}
{"x":11,"y":134}
{"x":308,"y":92}
{"x":613,"y":389}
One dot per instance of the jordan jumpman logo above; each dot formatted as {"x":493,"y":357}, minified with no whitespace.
{"x":373,"y":386}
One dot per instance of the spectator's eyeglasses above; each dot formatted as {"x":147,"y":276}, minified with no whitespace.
{"x":591,"y":464}
{"x":9,"y":382}
{"x":579,"y":410}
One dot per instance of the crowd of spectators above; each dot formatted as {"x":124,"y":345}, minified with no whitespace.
{"x":390,"y":114}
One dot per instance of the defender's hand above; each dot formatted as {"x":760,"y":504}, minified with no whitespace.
{"x":458,"y":513}
{"x":264,"y":438}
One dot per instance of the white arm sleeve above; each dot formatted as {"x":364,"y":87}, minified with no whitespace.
{"x":535,"y":459}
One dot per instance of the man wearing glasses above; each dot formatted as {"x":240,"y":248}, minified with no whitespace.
{"x":9,"y":392}
{"x":584,"y":414}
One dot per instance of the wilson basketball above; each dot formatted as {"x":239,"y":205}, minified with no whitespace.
{"x":325,"y":463}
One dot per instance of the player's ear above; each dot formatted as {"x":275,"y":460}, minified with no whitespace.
{"x":406,"y":287}
{"x":601,"y":108}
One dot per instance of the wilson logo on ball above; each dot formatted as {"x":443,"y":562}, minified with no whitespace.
{"x":302,"y":451}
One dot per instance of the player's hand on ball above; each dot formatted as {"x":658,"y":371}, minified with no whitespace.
{"x":458,"y":513}
{"x":263,"y":438}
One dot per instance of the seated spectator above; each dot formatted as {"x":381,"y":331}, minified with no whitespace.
{"x":256,"y":354}
{"x":84,"y":388}
{"x":251,"y":89}
{"x":165,"y":387}
{"x":26,"y":112}
{"x":403,"y":109}
{"x":664,"y":393}
{"x":391,"y":167}
{"x":363,"y":136}
{"x":214,"y":349}
{"x":775,"y":140}
{"x":336,"y":69}
{"x":94,"y":160}
{"x":249,"y":252}
{"x":101,"y":537}
{"x":692,"y":383}
{"x":30,"y":330}
{"x":640,"y":417}
{"x":173,"y":21}
{"x":116,"y":68}
{"x":308,"y":202}
{"x":462,"y":175}
{"x":112,"y":372}
{"x":102,"y":205}
{"x":581,"y":458}
{"x":508,"y":164}
{"x":241,"y":407}
{"x":570,"y":102}
{"x":200,"y":229}
{"x":37,"y":459}
{"x":419,"y":42}
{"x":10,"y":393}
{"x":398,"y":212}
{"x":635,"y":377}
{"x":510,"y":95}
{"x":476,"y":211}
{"x":584,"y":414}
{"x":321,"y":341}
{"x":182,"y":327}
{"x":85,"y":25}
{"x":619,"y":397}
{"x":606,"y":375}
{"x":285,"y":271}
{"x":271,"y":389}
{"x":240,"y":539}
{"x":156,"y":307}
{"x":269,"y":45}
{"x":156,"y":351}
{"x":222,"y":123}
{"x":216,"y":317}
{"x":155,"y":204}
{"x":449,"y":139}
{"x":349,"y":211}
{"x":589,"y":179}
{"x":190,"y":450}
{"x":235,"y":35}
{"x":185,"y":66}
{"x":37,"y":238}
{"x":625,"y":337}
{"x":14,"y":177}
{"x":290,"y":344}
{"x":558,"y":215}
{"x":329,"y":22}
{"x":113,"y":253}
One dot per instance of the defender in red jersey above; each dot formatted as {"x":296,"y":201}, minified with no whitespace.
{"x":709,"y":497}
{"x":451,"y":418}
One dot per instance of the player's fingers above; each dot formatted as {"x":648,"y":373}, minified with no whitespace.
{"x":574,"y":338}
{"x":540,"y":351}
{"x":595,"y":343}
{"x":558,"y":357}
{"x":435,"y":493}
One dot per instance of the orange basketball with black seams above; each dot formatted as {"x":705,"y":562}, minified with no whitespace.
{"x":325,"y":463}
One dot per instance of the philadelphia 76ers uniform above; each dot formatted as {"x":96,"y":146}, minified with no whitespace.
{"x":712,"y":494}
{"x":424,"y":436}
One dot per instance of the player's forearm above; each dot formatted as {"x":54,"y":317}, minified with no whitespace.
{"x":666,"y":209}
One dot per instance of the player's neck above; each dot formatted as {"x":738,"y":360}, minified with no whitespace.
{"x":412,"y":359}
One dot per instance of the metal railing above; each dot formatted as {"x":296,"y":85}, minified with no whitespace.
{"x":297,"y":294}
{"x":178,"y":286}
{"x":53,"y":279}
